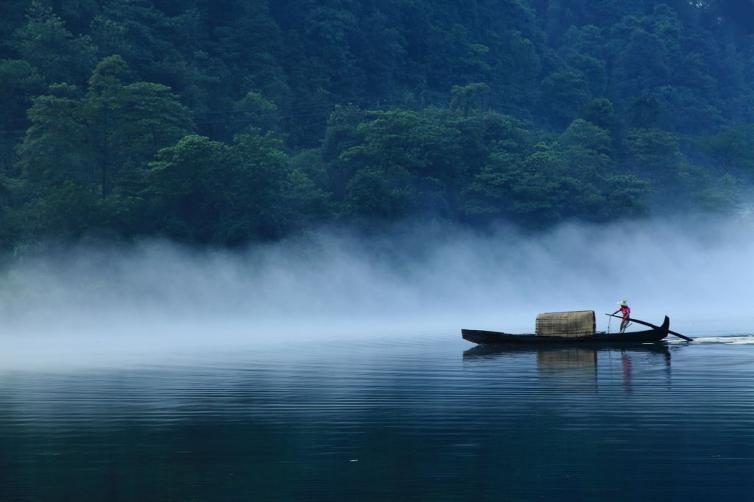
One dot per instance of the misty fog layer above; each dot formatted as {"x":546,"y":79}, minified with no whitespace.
{"x":416,"y":280}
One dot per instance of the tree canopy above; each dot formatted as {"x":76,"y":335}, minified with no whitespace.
{"x":222,"y":122}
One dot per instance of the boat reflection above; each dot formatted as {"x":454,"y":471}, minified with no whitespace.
{"x":568,"y":364}
{"x":481,"y":352}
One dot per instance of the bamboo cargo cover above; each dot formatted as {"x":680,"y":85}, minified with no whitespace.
{"x":568,"y":324}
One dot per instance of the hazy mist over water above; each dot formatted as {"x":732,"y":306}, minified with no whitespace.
{"x":417,"y":280}
{"x":330,"y":367}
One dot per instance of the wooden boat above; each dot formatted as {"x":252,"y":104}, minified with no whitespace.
{"x":655,"y":334}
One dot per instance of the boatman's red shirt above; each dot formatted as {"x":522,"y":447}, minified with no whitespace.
{"x":625,"y":311}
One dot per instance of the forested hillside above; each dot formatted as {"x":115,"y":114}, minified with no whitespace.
{"x":228,"y":121}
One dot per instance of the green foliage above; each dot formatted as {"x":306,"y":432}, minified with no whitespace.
{"x":543,"y":188}
{"x":18,"y":82}
{"x":642,"y":64}
{"x":98,"y":137}
{"x":732,"y":148}
{"x":423,"y":158}
{"x":601,"y":112}
{"x":587,"y":149}
{"x":586,"y":135}
{"x":205,"y":191}
{"x":256,"y":111}
{"x":54,"y":51}
{"x":652,"y":150}
{"x":565,"y":93}
{"x":188,"y":189}
{"x":593,"y":71}
{"x":18,"y":79}
{"x":52,"y":148}
{"x":373,"y":193}
{"x":68,"y":212}
{"x":469,"y":97}
{"x":229,"y":121}
{"x":12,"y":14}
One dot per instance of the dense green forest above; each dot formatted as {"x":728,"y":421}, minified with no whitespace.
{"x":228,"y":121}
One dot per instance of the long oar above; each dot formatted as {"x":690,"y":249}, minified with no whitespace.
{"x":688,"y":339}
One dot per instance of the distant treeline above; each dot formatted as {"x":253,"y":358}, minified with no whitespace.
{"x":228,"y":121}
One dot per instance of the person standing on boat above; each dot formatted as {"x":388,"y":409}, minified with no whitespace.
{"x":625,"y":312}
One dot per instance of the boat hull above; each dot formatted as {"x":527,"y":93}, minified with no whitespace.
{"x":482,"y":337}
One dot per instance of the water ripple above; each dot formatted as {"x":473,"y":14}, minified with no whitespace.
{"x":428,"y":418}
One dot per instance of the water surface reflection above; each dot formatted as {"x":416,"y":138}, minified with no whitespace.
{"x":387,"y":419}
{"x":570,"y":364}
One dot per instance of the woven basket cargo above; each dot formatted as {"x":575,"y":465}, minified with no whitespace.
{"x":567,"y":324}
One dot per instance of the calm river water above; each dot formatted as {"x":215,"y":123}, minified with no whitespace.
{"x":420,"y":418}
